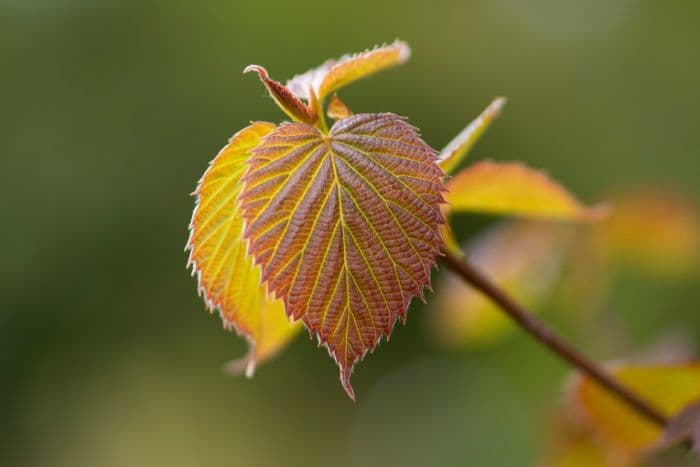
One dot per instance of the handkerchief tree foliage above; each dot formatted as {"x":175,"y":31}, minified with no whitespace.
{"x":337,"y":227}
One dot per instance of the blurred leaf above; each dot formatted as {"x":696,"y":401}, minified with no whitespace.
{"x":337,"y":109}
{"x":523,"y":257}
{"x":225,"y":273}
{"x":335,"y":74}
{"x":284,"y":98}
{"x":669,"y":388}
{"x":457,"y":149}
{"x":512,"y":188}
{"x":655,"y":231}
{"x":574,"y":446}
{"x":345,"y":226}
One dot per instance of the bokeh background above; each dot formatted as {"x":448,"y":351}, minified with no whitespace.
{"x":111,"y":110}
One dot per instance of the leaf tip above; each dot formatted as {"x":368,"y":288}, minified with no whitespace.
{"x":262,"y":72}
{"x":404,"y":50}
{"x":345,"y":372}
{"x":495,"y":108}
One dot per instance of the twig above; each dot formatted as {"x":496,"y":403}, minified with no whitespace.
{"x":547,"y":337}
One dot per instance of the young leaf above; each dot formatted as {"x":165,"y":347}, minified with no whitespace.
{"x":669,"y":388}
{"x":523,"y":257}
{"x":570,"y":445}
{"x":283,"y":97}
{"x":345,"y":226}
{"x":226,"y":276}
{"x":334,"y":74}
{"x":457,"y":149}
{"x":337,"y":109}
{"x":512,"y":188}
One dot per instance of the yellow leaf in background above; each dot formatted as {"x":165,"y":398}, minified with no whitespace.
{"x":335,"y":74}
{"x":655,"y":231}
{"x":574,"y":446}
{"x":225,"y":273}
{"x":512,"y":188}
{"x":523,"y":257}
{"x":457,"y":149}
{"x":669,"y":388}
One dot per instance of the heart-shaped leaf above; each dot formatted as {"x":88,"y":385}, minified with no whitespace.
{"x":345,"y":226}
{"x":226,"y":276}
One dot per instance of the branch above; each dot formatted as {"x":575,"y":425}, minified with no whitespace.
{"x":548,"y":338}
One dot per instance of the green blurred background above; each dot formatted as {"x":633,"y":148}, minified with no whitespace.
{"x":111,"y":110}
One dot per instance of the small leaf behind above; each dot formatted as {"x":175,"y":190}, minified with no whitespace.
{"x":345,"y":226}
{"x":337,"y":109}
{"x":226,"y":276}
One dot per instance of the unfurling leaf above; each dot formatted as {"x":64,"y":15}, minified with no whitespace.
{"x":345,"y":226}
{"x":512,"y":188}
{"x":227,"y":278}
{"x":284,"y":98}
{"x":523,"y":257}
{"x":669,"y":388}
{"x":337,"y":109}
{"x":457,"y":149}
{"x":334,"y":74}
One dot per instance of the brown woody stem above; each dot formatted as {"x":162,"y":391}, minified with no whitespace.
{"x":547,"y":337}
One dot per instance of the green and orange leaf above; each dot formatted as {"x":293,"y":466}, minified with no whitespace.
{"x":669,"y":388}
{"x":512,"y":188}
{"x":345,"y":226}
{"x":335,"y":74}
{"x":226,"y":275}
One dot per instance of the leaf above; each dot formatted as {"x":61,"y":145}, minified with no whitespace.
{"x":226,"y":276}
{"x":525,"y":258}
{"x":457,"y":149}
{"x":571,"y":445}
{"x":345,"y":226}
{"x":283,"y":97}
{"x":335,"y":74}
{"x":337,"y":109}
{"x":655,"y":231}
{"x":512,"y":188}
{"x":669,"y":388}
